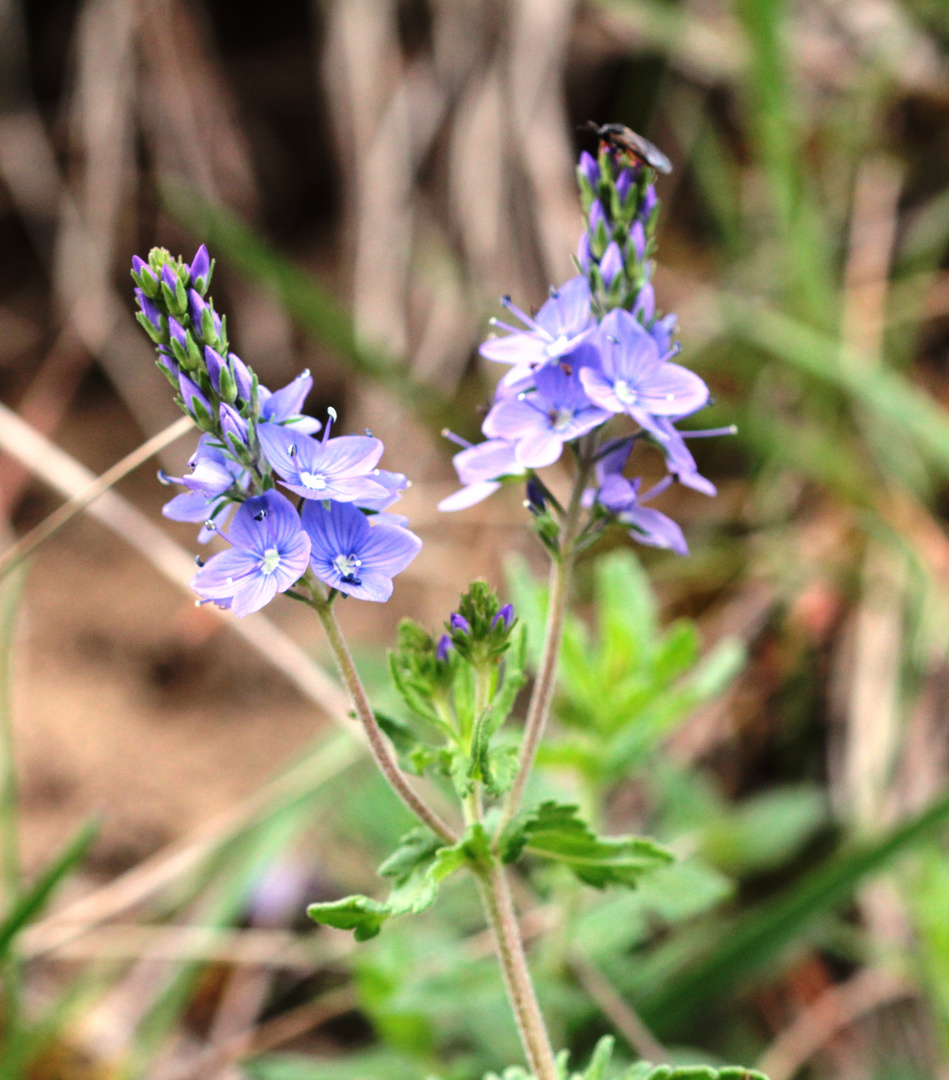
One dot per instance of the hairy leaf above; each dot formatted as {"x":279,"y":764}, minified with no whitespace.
{"x":418,"y":866}
{"x":554,"y":831}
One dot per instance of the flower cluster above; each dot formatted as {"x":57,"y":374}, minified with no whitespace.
{"x":593,"y":369}
{"x":254,"y":439}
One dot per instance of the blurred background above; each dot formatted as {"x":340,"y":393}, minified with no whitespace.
{"x":371,"y":176}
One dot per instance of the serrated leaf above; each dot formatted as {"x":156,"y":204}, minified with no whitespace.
{"x":418,"y":866}
{"x":555,"y":831}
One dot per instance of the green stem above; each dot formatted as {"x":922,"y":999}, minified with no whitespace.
{"x":502,"y":919}
{"x":378,"y":744}
{"x":561,"y":572}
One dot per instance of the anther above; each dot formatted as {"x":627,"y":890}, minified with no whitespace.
{"x":198,"y":560}
{"x":260,"y":515}
{"x":164,"y":478}
{"x":331,"y":412}
{"x":292,"y":450}
{"x":210,"y":526}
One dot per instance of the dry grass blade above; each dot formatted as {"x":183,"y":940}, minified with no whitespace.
{"x":47,"y":528}
{"x":69,"y":478}
{"x":619,"y":1012}
{"x":834,"y":1011}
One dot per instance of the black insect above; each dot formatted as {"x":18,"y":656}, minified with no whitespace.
{"x":623,"y":143}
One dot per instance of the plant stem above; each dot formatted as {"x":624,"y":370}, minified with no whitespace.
{"x":561,"y":572}
{"x":378,"y":744}
{"x":499,"y":909}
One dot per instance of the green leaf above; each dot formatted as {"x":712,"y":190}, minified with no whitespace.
{"x":418,"y":866}
{"x":556,"y":832}
{"x":36,"y":898}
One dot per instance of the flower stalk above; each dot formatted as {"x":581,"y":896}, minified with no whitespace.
{"x":502,"y":920}
{"x":378,"y":744}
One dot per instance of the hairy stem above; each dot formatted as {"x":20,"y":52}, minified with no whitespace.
{"x":378,"y":744}
{"x":499,"y":909}
{"x":561,"y":572}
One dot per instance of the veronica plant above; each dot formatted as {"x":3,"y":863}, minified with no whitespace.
{"x":590,"y":378}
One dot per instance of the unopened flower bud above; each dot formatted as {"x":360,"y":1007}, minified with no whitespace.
{"x":200,"y":276}
{"x":505,"y":615}
{"x":443,"y":651}
{"x":242,"y":376}
{"x":459,"y":622}
{"x":611,"y":265}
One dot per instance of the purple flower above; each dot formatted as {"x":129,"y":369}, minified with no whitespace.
{"x":479,"y":468}
{"x":505,"y":615}
{"x":197,"y":306}
{"x":648,"y":204}
{"x":637,"y":235}
{"x":624,"y":183}
{"x":201,"y":268}
{"x":589,"y":168}
{"x":169,"y":277}
{"x":611,"y":265}
{"x":662,"y":331}
{"x":645,"y":307}
{"x":213,"y":475}
{"x":597,"y":217}
{"x":353,"y":556}
{"x":459,"y":622}
{"x":149,"y":310}
{"x":192,"y":397}
{"x":584,"y":254}
{"x":443,"y":651}
{"x":232,"y":423}
{"x":244,"y":380}
{"x":394,"y":483}
{"x":560,"y":325}
{"x":679,"y":459}
{"x":336,"y":469}
{"x":285,"y":406}
{"x":635,"y":380}
{"x":540,"y":421}
{"x":269,"y":554}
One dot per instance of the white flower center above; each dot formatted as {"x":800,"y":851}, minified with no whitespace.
{"x":270,"y":561}
{"x":626,"y":393}
{"x":313,"y":481}
{"x":347,"y":565}
{"x":557,"y":345}
{"x":560,"y":419}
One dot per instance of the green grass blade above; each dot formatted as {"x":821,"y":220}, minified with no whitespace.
{"x":35,"y":899}
{"x":754,"y":941}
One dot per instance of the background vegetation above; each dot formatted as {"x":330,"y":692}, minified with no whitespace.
{"x":371,"y":176}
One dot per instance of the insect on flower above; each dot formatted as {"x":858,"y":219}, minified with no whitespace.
{"x":622,"y":142}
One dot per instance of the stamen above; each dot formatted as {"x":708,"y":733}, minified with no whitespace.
{"x":523,"y":316}
{"x":448,"y":434}
{"x":260,"y":515}
{"x":330,"y":418}
{"x":199,"y":561}
{"x":292,"y":451}
{"x":657,"y":489}
{"x":210,"y":526}
{"x":707,"y":433}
